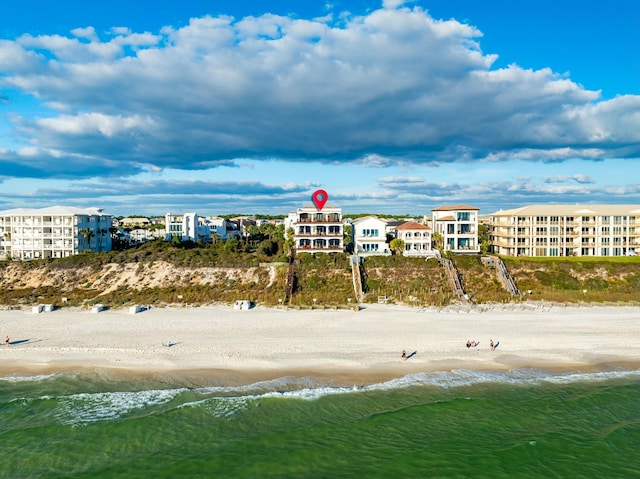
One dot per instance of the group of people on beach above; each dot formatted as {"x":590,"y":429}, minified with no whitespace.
{"x":472,"y":343}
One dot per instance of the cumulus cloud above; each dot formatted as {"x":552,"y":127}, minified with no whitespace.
{"x":392,"y":86}
{"x":578,"y":178}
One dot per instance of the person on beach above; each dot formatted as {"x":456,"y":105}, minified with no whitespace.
{"x":6,"y":341}
{"x":492,"y":346}
{"x":404,"y":355}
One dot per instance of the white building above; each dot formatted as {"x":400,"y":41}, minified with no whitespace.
{"x":54,"y":232}
{"x":316,"y":231}
{"x":141,"y":235}
{"x":369,"y":235}
{"x":458,"y":227}
{"x":187,"y":227}
{"x":566,"y":230}
{"x":221,"y":228}
{"x":417,"y":239}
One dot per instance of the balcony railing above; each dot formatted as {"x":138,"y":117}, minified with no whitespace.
{"x":312,"y":234}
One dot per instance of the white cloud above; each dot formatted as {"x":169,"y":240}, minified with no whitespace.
{"x":91,"y":123}
{"x":393,"y":4}
{"x":391,"y":87}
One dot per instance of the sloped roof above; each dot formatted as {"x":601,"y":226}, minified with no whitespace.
{"x":54,"y":211}
{"x":570,"y":210}
{"x":412,"y":225}
{"x":455,"y":208}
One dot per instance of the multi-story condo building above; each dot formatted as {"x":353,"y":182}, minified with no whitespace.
{"x":316,"y":231}
{"x":54,"y":232}
{"x":457,"y":225}
{"x":369,"y":235}
{"x":417,"y":239}
{"x":566,"y":230}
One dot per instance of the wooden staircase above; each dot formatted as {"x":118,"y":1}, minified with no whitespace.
{"x":506,"y":278}
{"x":454,"y":279}
{"x":357,"y":275}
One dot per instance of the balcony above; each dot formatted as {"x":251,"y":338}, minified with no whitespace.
{"x":314,"y":221}
{"x":310,"y":248}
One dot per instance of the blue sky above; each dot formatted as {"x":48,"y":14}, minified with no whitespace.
{"x":248,"y":107}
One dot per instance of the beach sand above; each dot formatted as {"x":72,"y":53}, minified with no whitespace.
{"x":219,"y":344}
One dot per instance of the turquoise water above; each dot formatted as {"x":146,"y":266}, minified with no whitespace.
{"x":521,"y":423}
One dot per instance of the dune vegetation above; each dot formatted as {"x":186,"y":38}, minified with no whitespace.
{"x":169,"y":273}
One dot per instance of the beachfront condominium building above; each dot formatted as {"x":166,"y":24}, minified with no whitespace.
{"x":53,"y":232}
{"x":457,"y":226}
{"x":417,"y":239}
{"x":369,"y":235}
{"x":566,"y":230}
{"x":316,"y":230}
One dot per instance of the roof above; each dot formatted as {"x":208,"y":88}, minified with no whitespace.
{"x":54,"y":211}
{"x":313,"y":209}
{"x":572,"y":210}
{"x":370,"y":217}
{"x":446,"y":218}
{"x":455,"y":208}
{"x":412,"y":225}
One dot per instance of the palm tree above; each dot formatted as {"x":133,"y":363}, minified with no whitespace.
{"x":397,"y":246}
{"x":438,"y":240}
{"x":87,"y":234}
{"x":101,"y":233}
{"x":290,"y":242}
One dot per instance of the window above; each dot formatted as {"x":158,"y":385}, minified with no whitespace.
{"x":464,"y":216}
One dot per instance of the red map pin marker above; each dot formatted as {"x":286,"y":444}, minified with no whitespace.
{"x":319,"y":198}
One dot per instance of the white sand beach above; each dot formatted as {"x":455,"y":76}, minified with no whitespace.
{"x":364,"y":346}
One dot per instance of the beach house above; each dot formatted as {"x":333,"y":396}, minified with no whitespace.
{"x":187,"y":227}
{"x":457,"y":226}
{"x":316,"y":230}
{"x":221,"y":228}
{"x":417,"y":239}
{"x":53,"y":232}
{"x":369,"y":234}
{"x":566,"y":230}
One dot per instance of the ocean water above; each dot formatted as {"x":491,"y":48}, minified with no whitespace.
{"x":521,"y":423}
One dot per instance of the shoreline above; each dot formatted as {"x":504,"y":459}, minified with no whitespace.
{"x":218,"y":345}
